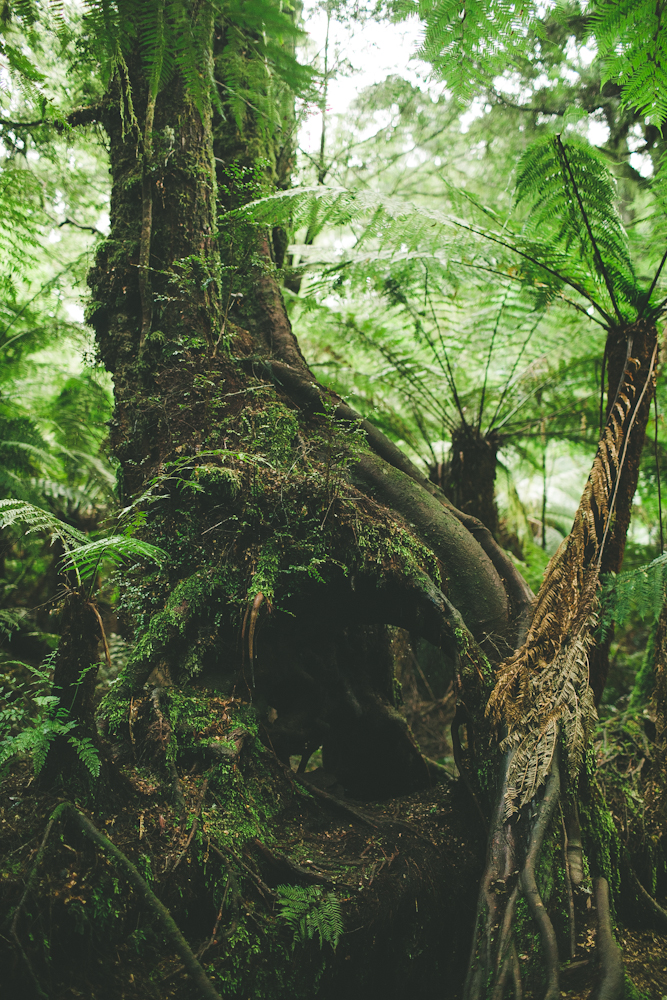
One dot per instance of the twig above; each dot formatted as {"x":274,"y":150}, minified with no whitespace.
{"x":107,"y":654}
{"x":193,"y":828}
{"x":27,"y":890}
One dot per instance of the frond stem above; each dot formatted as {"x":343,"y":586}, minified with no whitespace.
{"x":625,"y":449}
{"x":655,"y":278}
{"x":545,"y":267}
{"x":596,"y":251}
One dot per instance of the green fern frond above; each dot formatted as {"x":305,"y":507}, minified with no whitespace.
{"x":572,"y":197}
{"x":467,"y":44}
{"x":640,"y":591}
{"x":116,"y":549}
{"x":35,"y":519}
{"x":632,"y":44}
{"x":310,"y":911}
{"x":87,"y":754}
{"x":35,"y":741}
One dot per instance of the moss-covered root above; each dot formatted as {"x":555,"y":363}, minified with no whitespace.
{"x":612,"y":982}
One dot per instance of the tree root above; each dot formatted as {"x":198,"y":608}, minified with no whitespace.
{"x":494,"y":958}
{"x":612,"y":984}
{"x":156,"y":907}
{"x":545,"y":811}
{"x":652,"y":905}
{"x":338,"y":804}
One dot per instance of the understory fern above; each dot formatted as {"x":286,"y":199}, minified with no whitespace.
{"x":40,"y":720}
{"x":81,"y":555}
{"x":640,"y":590}
{"x":310,"y":911}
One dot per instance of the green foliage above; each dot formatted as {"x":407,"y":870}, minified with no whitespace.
{"x":469,"y":45}
{"x":310,"y":911}
{"x":81,"y":556}
{"x":638,"y":591}
{"x":632,"y":42}
{"x":115,"y":549}
{"x":13,"y":512}
{"x":29,"y":725}
{"x":573,"y":198}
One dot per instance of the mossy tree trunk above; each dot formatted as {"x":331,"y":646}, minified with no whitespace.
{"x":297,"y":533}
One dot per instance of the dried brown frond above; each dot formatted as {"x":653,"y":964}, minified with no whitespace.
{"x":543,"y":688}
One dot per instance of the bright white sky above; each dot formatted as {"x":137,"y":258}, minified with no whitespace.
{"x":374,"y":50}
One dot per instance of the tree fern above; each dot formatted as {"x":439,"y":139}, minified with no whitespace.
{"x":310,"y":911}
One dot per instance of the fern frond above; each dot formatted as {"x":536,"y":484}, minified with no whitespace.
{"x":35,"y":519}
{"x":632,"y":44}
{"x":641,"y":591}
{"x":117,"y":549}
{"x":310,"y":911}
{"x":572,"y":196}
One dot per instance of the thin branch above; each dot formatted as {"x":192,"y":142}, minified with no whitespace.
{"x":488,"y":361}
{"x":509,"y":380}
{"x":78,"y":225}
{"x":157,"y":908}
{"x":87,"y":114}
{"x":657,"y":466}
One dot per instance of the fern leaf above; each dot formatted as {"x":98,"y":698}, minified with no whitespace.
{"x":632,"y":44}
{"x":35,"y":519}
{"x":117,"y":549}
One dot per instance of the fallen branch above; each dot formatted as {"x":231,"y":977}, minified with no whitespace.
{"x":30,"y":881}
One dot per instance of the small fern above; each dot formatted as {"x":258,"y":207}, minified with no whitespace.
{"x":38,"y":738}
{"x":310,"y":911}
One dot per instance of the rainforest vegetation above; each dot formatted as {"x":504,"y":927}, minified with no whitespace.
{"x":333,"y":586}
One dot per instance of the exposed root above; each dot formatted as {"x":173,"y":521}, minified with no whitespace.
{"x":545,"y":811}
{"x":494,"y":960}
{"x":496,"y":903}
{"x":570,"y":894}
{"x":285,"y":868}
{"x":462,"y":717}
{"x":611,"y":985}
{"x":337,"y":803}
{"x":652,"y":905}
